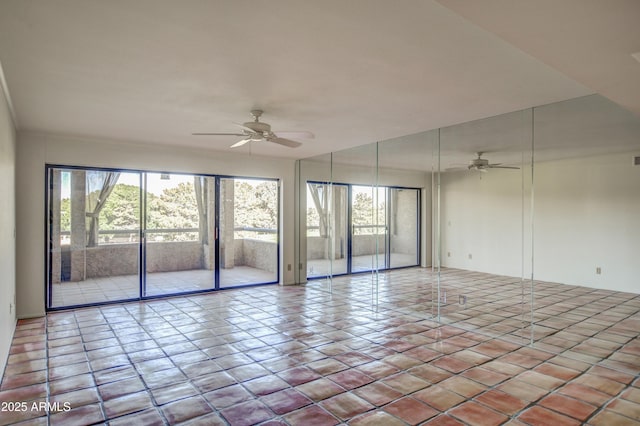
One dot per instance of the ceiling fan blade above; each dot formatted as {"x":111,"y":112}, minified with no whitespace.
{"x":218,"y":134}
{"x":240,"y":143}
{"x":495,"y":166}
{"x":285,"y":142}
{"x":295,"y":134}
{"x":456,"y":169}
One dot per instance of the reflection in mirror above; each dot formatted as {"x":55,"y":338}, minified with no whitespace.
{"x":587,"y":202}
{"x":403,"y":227}
{"x":483,"y":230}
{"x":356,"y":169}
{"x":314,"y":186}
{"x":369,"y":228}
{"x":517,"y":249}
{"x":405,"y":170}
{"x":327,"y":230}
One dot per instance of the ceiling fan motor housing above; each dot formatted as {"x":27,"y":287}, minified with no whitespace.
{"x":258,"y":127}
{"x":478,"y":163}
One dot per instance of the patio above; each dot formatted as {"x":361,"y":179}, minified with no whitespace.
{"x":123,"y":287}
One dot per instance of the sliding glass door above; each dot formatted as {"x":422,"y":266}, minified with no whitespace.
{"x":327,"y":229}
{"x":359,"y":228}
{"x":248,"y":231}
{"x":403,"y":227}
{"x":368,"y":228}
{"x":179,"y":233}
{"x":93,"y":236}
{"x":124,"y":235}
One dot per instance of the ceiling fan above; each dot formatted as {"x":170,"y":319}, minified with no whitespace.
{"x":257,"y":131}
{"x":482,"y":165}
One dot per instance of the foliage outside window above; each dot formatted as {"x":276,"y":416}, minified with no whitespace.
{"x":173,"y":214}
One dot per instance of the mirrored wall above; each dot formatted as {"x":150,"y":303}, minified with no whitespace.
{"x":509,"y":225}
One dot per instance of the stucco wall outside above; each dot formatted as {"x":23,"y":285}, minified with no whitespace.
{"x":122,"y":259}
{"x":257,"y":254}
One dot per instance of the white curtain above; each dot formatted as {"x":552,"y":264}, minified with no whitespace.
{"x":99,"y":187}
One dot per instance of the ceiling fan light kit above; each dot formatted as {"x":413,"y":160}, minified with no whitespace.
{"x":259,"y":131}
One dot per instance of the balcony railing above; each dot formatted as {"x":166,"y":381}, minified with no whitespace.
{"x":120,"y":236}
{"x":314,"y":231}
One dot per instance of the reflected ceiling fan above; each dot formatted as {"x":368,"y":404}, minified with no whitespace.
{"x":482,"y":165}
{"x":258,"y":131}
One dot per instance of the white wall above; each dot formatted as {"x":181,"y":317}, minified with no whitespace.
{"x":7,"y":229}
{"x":34,"y":150}
{"x":586,"y":215}
{"x":481,"y":221}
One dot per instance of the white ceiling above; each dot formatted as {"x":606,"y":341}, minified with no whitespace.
{"x":351,"y":72}
{"x":590,"y":41}
{"x":581,"y":127}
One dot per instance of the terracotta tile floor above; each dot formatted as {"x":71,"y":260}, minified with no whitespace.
{"x":303,"y":356}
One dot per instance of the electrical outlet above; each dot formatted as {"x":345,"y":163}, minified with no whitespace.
{"x":462,"y":299}
{"x":598,"y":270}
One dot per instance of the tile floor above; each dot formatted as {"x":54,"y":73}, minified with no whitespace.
{"x":303,"y":356}
{"x":123,"y":287}
{"x":322,"y":267}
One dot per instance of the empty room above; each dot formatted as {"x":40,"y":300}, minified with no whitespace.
{"x":318,"y":213}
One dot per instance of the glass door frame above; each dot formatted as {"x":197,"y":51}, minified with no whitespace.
{"x":418,"y":252}
{"x":387,"y":240}
{"x":331,"y":229}
{"x":218,"y":205}
{"x":142,"y":235}
{"x":49,"y":202}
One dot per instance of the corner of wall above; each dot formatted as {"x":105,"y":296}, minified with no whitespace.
{"x":7,"y":223}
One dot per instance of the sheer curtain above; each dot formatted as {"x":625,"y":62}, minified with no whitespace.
{"x":99,"y":186}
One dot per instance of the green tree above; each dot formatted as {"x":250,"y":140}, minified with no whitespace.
{"x":256,"y":206}
{"x":313,"y":219}
{"x":65,"y":214}
{"x":363,"y":213}
{"x":175,"y":208}
{"x":122,"y":209}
